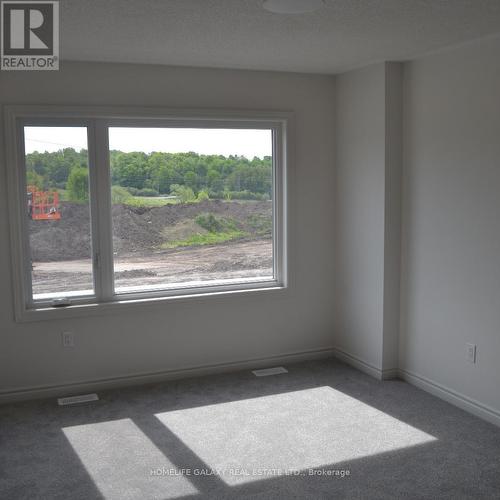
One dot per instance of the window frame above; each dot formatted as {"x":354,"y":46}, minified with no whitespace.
{"x":98,"y":120}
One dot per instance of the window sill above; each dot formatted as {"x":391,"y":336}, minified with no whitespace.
{"x":131,"y":304}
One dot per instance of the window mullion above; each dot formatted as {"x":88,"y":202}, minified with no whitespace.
{"x":22,"y":223}
{"x":101,"y":216}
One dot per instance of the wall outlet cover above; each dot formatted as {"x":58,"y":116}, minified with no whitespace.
{"x":470,"y":352}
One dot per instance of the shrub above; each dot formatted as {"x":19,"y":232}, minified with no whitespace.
{"x":238,"y":195}
{"x":185,"y":194}
{"x":248,"y":195}
{"x":147,"y":192}
{"x":78,"y":184}
{"x":202,"y":196}
{"x":132,"y":190}
{"x":214,"y":224}
{"x":209,"y":222}
{"x":120,"y":195}
{"x":261,"y":224}
{"x":34,"y":179}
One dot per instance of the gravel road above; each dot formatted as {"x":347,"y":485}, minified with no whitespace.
{"x":233,"y":260}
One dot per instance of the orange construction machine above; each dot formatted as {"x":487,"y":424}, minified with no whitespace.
{"x":43,"y":205}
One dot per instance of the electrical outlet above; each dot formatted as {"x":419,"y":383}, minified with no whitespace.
{"x":470,"y":352}
{"x":68,"y":339}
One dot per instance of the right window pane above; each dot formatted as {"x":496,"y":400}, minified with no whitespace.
{"x":191,"y":207}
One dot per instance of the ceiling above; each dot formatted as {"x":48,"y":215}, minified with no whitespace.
{"x":241,"y":34}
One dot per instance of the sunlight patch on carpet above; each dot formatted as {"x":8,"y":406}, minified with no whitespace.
{"x":124,"y":463}
{"x":262,"y":437}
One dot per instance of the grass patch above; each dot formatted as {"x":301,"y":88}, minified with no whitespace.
{"x":209,"y":238}
{"x":144,"y":201}
{"x":204,"y":229}
{"x":120,"y":195}
{"x":261,"y":224}
{"x":182,"y":230}
{"x":214,"y":224}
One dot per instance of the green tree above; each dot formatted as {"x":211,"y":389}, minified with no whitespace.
{"x":215,"y":182}
{"x":129,"y":169}
{"x":191,"y":180}
{"x":34,"y":179}
{"x":78,"y":184}
{"x":165,"y":179}
{"x":244,"y":178}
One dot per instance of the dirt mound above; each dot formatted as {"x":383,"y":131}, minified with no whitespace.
{"x":135,"y":229}
{"x":65,"y":239}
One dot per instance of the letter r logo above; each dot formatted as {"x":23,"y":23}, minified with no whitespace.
{"x":28,"y":28}
{"x":17,"y":29}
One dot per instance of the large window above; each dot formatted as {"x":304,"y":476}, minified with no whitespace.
{"x":109,"y":210}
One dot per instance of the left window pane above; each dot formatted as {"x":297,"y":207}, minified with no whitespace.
{"x":58,"y":210}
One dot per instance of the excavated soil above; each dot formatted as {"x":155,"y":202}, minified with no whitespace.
{"x":135,"y":230}
{"x":61,"y":250}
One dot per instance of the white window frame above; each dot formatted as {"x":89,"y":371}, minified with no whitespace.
{"x":97,"y":121}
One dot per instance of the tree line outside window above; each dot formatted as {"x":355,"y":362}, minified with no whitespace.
{"x":141,"y":174}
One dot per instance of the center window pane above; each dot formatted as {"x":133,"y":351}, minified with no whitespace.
{"x":190,"y":207}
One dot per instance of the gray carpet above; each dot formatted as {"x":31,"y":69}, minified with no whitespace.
{"x":324,"y":430}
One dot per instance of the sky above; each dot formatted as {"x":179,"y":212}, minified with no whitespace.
{"x":248,"y":143}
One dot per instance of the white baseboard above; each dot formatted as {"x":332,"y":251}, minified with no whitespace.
{"x":364,"y":366}
{"x":469,"y":405}
{"x":390,"y":373}
{"x":48,"y":391}
{"x":475,"y":407}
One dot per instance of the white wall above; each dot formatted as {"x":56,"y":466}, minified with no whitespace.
{"x":174,"y":335}
{"x":392,"y":229}
{"x":450,"y":272}
{"x":451,"y":220}
{"x":359,"y":213}
{"x":367,"y":215}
